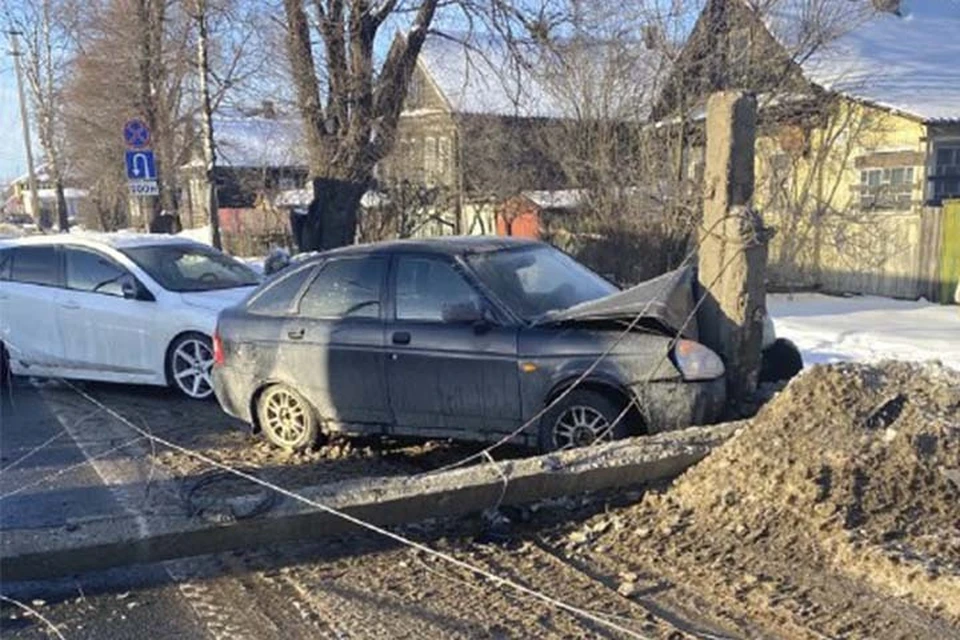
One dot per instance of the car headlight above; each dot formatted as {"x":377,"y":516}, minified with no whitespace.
{"x":697,"y":362}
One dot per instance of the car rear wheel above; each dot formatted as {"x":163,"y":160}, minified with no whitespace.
{"x":286,"y":419}
{"x":582,"y":418}
{"x":189,"y":366}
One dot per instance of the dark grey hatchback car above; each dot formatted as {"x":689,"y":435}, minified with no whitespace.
{"x":465,"y":338}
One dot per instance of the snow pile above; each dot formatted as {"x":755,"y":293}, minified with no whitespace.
{"x":843,"y":490}
{"x":831,"y":329}
{"x":854,"y":467}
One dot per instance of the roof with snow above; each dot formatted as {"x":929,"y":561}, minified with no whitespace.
{"x":253,"y":142}
{"x":905,"y":61}
{"x":485,"y":76}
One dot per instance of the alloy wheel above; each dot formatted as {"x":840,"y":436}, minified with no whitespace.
{"x":580,"y":426}
{"x":192,"y":364}
{"x":284,"y":417}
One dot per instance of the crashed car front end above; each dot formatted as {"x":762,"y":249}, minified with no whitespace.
{"x":648,"y":338}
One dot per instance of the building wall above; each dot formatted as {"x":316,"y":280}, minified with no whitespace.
{"x":845,"y":191}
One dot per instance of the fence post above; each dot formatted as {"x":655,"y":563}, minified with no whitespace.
{"x":733,"y":244}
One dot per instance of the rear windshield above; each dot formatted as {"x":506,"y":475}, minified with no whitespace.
{"x":189,"y":267}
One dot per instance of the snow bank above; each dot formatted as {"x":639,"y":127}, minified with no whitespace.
{"x":832,"y":329}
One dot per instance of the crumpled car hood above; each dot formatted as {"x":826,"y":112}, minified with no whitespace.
{"x":666,"y":302}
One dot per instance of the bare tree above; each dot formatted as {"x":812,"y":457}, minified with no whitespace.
{"x":402,"y":209}
{"x":139,"y":57}
{"x":48,"y":28}
{"x":350,"y":104}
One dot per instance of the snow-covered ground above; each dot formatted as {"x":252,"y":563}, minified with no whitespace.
{"x":829,"y":329}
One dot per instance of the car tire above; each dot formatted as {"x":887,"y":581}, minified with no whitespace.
{"x":579,"y":420}
{"x":286,"y":419}
{"x":781,"y":361}
{"x":189,"y":365}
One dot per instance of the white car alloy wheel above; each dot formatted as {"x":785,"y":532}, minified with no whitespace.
{"x":190,"y":365}
{"x":579,"y":426}
{"x":286,"y":419}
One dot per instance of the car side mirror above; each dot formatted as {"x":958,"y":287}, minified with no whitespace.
{"x":131,"y":289}
{"x":464,"y":313}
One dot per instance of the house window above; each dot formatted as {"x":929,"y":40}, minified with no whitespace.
{"x":430,"y":160}
{"x":443,"y":159}
{"x":890,"y":188}
{"x":778,"y":182}
{"x":945,"y":180}
{"x":414,"y":92}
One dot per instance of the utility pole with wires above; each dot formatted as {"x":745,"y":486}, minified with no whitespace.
{"x":25,"y":121}
{"x":733,"y":244}
{"x":209,"y":151}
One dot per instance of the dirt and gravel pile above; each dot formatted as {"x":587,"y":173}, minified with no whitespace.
{"x":842,"y":492}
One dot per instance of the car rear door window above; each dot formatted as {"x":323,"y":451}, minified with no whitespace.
{"x":346,"y":288}
{"x":92,"y":272}
{"x":425,"y":286}
{"x":278,"y":298}
{"x":36,"y":265}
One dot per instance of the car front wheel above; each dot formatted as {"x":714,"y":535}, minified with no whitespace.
{"x":189,"y":365}
{"x":582,"y":418}
{"x":286,"y":419}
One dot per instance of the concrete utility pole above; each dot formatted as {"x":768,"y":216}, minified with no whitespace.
{"x":209,"y":151}
{"x":733,"y":244}
{"x":25,"y":121}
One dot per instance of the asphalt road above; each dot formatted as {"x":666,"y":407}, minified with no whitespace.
{"x":64,"y":463}
{"x":76,"y":465}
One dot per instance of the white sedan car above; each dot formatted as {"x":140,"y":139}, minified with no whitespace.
{"x":115,"y":307}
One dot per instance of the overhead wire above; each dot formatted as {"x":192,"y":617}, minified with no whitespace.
{"x":493,"y":578}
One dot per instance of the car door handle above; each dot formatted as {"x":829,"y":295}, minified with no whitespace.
{"x":401,"y":337}
{"x":70,"y":304}
{"x":296,"y":334}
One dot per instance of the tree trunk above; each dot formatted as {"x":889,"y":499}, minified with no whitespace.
{"x":331,"y":220}
{"x":209,"y":150}
{"x":63,"y":215}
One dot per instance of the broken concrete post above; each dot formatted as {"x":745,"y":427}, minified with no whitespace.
{"x":37,"y":554}
{"x":733,"y":244}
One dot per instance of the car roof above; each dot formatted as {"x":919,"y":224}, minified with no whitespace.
{"x":116,"y":240}
{"x":442,"y":245}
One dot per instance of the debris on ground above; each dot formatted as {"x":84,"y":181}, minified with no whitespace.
{"x":836,"y":500}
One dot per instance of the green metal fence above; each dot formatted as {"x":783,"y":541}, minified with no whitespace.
{"x":950,"y":251}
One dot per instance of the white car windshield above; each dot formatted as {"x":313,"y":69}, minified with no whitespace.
{"x":536,"y":280}
{"x":188,"y":267}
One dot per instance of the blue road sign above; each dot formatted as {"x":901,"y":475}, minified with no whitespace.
{"x":136,"y":134}
{"x":141,"y":165}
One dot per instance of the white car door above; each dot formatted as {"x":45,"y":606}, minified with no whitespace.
{"x":106,"y":328}
{"x":29,"y":298}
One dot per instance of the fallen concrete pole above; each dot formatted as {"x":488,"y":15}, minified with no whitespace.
{"x":33,"y":555}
